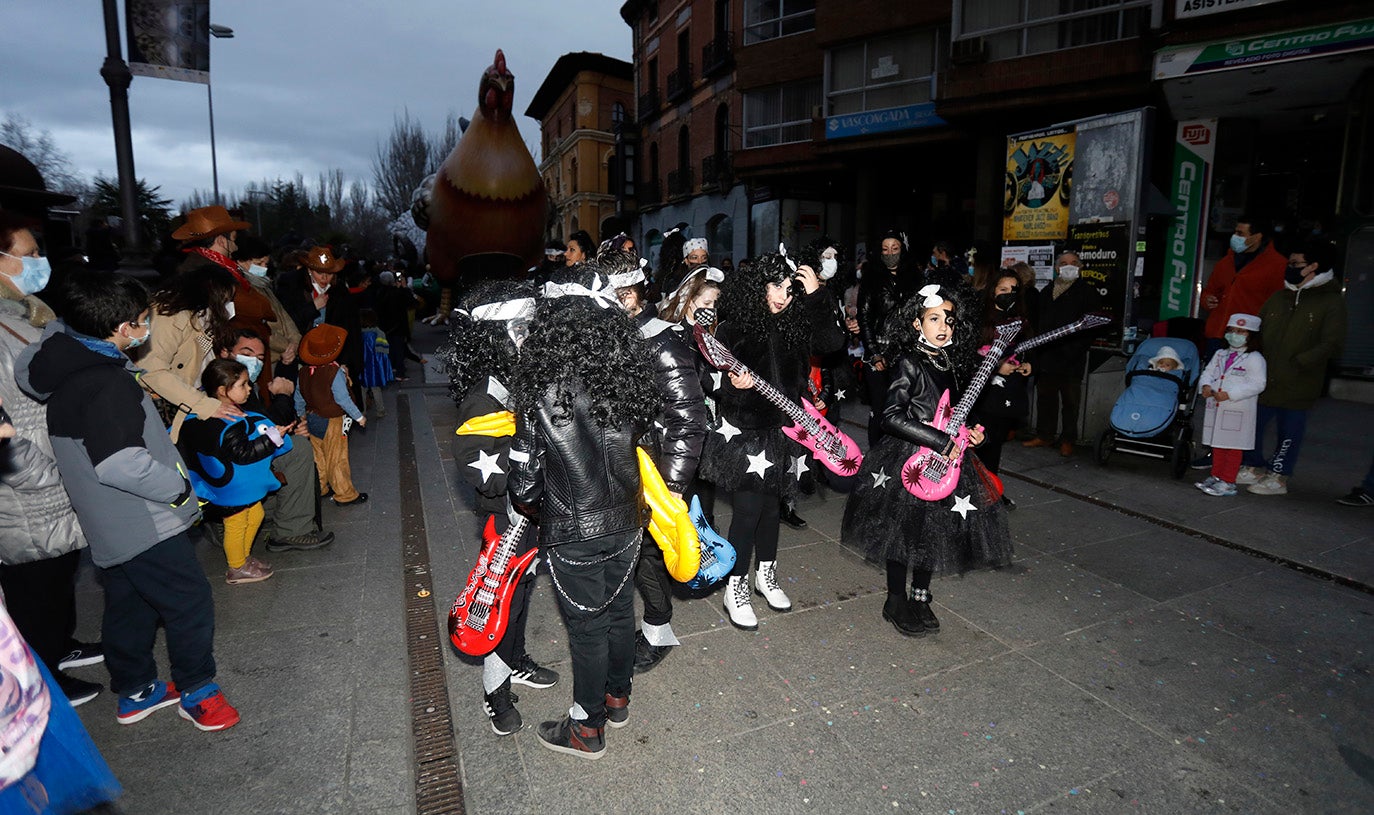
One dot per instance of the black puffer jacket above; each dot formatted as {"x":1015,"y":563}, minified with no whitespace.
{"x":577,"y":480}
{"x":911,"y":401}
{"x":680,"y":431}
{"x":880,"y":292}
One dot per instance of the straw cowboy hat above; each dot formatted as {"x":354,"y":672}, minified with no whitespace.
{"x":321,"y":345}
{"x":207,"y":222}
{"x":321,"y":259}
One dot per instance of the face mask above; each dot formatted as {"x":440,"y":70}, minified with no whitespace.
{"x":934,"y":261}
{"x":134,"y":342}
{"x":318,"y":288}
{"x":1235,"y":340}
{"x":34,"y":276}
{"x":891,"y":261}
{"x":1068,"y":272}
{"x":1294,"y":274}
{"x":829,"y":266}
{"x":257,"y":271}
{"x":253,"y":364}
{"x":229,"y":309}
{"x":1238,"y":244}
{"x":1005,"y":302}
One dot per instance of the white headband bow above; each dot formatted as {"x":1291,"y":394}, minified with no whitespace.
{"x":623,"y":279}
{"x":930,"y":296}
{"x":506,"y":310}
{"x":712,"y":274}
{"x":599,"y":293}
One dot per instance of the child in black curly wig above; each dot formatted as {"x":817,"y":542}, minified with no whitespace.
{"x":584,"y":393}
{"x":773,"y":318}
{"x":887,"y":522}
{"x":480,"y":355}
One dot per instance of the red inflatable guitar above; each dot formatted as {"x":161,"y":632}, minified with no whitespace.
{"x":481,"y":612}
{"x":827,"y":443}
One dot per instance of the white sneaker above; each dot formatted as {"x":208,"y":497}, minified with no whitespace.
{"x":737,"y":604}
{"x":766,"y":583}
{"x":1249,"y":475}
{"x":1272,"y":484}
{"x":1206,"y":482}
{"x":1220,"y":488}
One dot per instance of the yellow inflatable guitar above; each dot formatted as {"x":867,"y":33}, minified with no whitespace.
{"x":500,"y":423}
{"x":671,"y":525}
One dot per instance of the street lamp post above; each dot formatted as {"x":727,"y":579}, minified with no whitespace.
{"x":221,"y":32}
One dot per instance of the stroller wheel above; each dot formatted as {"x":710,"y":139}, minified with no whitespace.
{"x":1181,"y":457}
{"x":1106,"y":443}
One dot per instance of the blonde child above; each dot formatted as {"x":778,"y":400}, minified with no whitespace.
{"x":1232,"y":384}
{"x":1166,"y":361}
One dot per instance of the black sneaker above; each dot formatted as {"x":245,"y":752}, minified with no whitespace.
{"x":304,"y":543}
{"x":78,"y":691}
{"x":617,"y":710}
{"x":500,"y":708}
{"x":900,"y":613}
{"x":648,"y":655}
{"x":574,"y":738}
{"x":527,"y":672}
{"x":1357,"y":498}
{"x":1202,"y":462}
{"x":790,"y":517}
{"x":82,"y":654}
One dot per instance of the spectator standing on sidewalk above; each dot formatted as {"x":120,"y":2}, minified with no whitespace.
{"x":1059,"y":365}
{"x":1241,"y":282}
{"x":1231,"y":385}
{"x":129,"y":489}
{"x":1304,"y":329}
{"x":40,"y":539}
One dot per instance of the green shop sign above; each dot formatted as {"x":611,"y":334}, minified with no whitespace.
{"x":1281,"y":46}
{"x":1189,"y":188}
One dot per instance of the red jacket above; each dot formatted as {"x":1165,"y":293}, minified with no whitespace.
{"x":1244,"y":292}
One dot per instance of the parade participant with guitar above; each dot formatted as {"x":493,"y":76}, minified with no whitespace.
{"x":884,"y":517}
{"x":480,"y":354}
{"x":772,"y":321}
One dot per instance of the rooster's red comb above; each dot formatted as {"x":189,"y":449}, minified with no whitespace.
{"x":499,"y":63}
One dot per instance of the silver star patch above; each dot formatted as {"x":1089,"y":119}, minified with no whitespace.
{"x":963,"y":505}
{"x":758,"y":463}
{"x":727,"y":430}
{"x":487,"y":464}
{"x":880,"y":480}
{"x":799,"y":467}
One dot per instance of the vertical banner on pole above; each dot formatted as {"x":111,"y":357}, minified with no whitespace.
{"x":1190,"y":191}
{"x":169,"y":39}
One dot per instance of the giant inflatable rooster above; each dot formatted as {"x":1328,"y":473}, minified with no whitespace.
{"x":488,"y":205}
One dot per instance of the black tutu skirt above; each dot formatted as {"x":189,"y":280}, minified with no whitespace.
{"x":734,"y":464}
{"x":965,"y":530}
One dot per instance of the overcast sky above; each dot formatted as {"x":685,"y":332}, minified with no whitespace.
{"x":304,"y":85}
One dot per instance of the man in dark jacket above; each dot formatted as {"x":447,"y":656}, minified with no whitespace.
{"x":316,"y":296}
{"x":1059,"y":365}
{"x":1303,"y":330}
{"x":129,"y":489}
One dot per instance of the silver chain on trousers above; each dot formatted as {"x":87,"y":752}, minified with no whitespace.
{"x":554,"y":555}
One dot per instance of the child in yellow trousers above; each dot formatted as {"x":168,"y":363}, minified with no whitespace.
{"x":322,"y":394}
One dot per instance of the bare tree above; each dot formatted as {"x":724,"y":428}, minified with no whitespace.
{"x":444,"y":142}
{"x":400,"y":164}
{"x":39,"y":147}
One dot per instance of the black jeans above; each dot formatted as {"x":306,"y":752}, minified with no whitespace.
{"x":753,"y":529}
{"x":653,"y":582}
{"x":1050,"y":391}
{"x":41,"y":598}
{"x":591,"y":579}
{"x":167,"y":584}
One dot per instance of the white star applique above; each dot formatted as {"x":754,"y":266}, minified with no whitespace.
{"x":799,"y":467}
{"x":880,"y":480}
{"x":963,"y":506}
{"x":716,"y":379}
{"x":1006,"y":403}
{"x":839,"y":396}
{"x":487,"y":464}
{"x":727,"y":430}
{"x":758,"y":463}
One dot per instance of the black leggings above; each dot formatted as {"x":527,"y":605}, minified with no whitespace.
{"x":753,"y":529}
{"x":995,"y":432}
{"x":896,"y":578}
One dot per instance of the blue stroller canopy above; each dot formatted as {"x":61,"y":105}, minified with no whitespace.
{"x":1151,"y":400}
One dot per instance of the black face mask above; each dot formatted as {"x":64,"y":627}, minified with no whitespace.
{"x":1294,"y":274}
{"x":1006,"y":301}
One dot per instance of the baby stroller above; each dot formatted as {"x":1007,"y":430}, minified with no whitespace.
{"x":1153,"y":416}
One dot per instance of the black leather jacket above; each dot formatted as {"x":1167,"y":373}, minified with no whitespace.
{"x":680,"y":431}
{"x":880,"y":292}
{"x":911,"y":401}
{"x":577,"y":480}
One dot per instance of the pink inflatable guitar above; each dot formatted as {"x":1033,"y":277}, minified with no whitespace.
{"x":930,"y":474}
{"x":827,"y":443}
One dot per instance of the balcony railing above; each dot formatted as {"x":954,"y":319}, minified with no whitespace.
{"x":715,"y":55}
{"x":648,"y":105}
{"x":648,"y":193}
{"x":717,"y":172}
{"x":680,"y":182}
{"x":680,"y":82}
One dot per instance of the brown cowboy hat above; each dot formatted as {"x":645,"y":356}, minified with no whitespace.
{"x":321,"y":259}
{"x":321,"y":345}
{"x":207,"y":222}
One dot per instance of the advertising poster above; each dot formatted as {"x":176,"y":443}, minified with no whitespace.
{"x":1038,"y":185}
{"x":1194,"y":150}
{"x":169,"y":39}
{"x":1104,"y":264}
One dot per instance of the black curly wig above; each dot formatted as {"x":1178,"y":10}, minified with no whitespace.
{"x":743,"y":302}
{"x":962,"y":350}
{"x":476,"y":349}
{"x":575,"y":346}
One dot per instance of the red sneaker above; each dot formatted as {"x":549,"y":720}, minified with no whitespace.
{"x":208,"y":710}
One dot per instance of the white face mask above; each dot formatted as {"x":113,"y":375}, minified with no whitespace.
{"x":257,"y":271}
{"x":229,"y":309}
{"x":318,"y":288}
{"x":829,"y":266}
{"x":1068,"y":272}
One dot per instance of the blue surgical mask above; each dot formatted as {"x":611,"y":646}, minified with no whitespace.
{"x":1238,"y":244}
{"x":257,"y":271}
{"x":134,"y":342}
{"x":1236,"y":340}
{"x":253,"y":364}
{"x":34,"y":276}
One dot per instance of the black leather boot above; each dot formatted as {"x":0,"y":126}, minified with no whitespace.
{"x":900,"y":613}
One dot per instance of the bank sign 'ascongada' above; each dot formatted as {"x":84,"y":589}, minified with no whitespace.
{"x":1280,"y":46}
{"x":907,"y":117}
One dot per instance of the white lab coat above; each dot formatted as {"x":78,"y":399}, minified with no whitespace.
{"x":1230,"y":425}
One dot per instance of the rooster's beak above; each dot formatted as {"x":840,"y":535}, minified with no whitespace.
{"x":501,"y":82}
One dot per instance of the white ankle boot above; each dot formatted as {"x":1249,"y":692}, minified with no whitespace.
{"x":766,"y":582}
{"x":737,"y":604}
